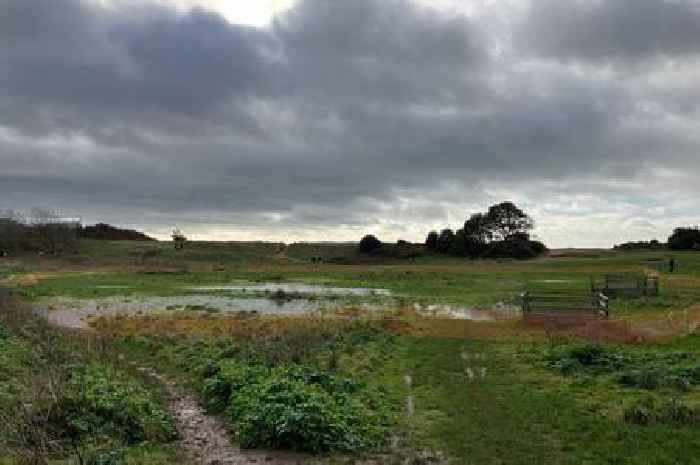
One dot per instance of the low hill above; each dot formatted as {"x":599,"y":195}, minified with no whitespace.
{"x":106,"y":232}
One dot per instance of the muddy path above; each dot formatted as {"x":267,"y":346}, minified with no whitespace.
{"x":205,"y":438}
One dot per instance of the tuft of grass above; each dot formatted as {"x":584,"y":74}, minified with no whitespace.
{"x":673,"y":411}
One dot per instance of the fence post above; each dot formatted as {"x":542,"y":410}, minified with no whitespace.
{"x":526,"y":302}
{"x":603,"y":304}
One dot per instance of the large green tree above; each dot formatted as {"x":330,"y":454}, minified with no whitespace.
{"x":506,"y":221}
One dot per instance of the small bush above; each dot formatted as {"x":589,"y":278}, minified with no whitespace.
{"x":369,"y":244}
{"x":645,"y":370}
{"x":570,"y":359}
{"x":230,"y":377}
{"x":649,"y":411}
{"x":101,"y":403}
{"x":645,"y":379}
{"x":299,"y":408}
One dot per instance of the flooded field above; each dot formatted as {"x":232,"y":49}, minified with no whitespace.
{"x":293,"y":288}
{"x":264,"y":299}
{"x":76,"y":313}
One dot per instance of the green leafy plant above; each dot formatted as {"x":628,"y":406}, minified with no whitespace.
{"x":101,"y":403}
{"x":296,"y":407}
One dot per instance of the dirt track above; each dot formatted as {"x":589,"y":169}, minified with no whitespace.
{"x":205,"y":438}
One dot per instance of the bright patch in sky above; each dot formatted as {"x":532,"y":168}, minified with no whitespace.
{"x":253,"y":12}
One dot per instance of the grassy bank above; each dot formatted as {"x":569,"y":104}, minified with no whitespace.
{"x":63,"y":402}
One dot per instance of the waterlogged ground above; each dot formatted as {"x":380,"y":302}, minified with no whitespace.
{"x":293,"y":289}
{"x":77,"y":313}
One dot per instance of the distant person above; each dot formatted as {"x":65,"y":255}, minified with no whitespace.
{"x":672,"y":265}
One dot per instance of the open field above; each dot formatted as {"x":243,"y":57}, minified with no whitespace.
{"x":425,"y":359}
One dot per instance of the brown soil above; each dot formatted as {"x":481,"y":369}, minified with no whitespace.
{"x":594,"y":328}
{"x":29,"y":279}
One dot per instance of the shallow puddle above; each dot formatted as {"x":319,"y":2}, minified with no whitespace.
{"x":471,"y":314}
{"x":293,"y":288}
{"x":76,"y":313}
{"x":282,"y":299}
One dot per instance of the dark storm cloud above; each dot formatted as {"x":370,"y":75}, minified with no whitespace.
{"x":74,"y":66}
{"x":386,"y":51}
{"x":612,"y":31}
{"x":366,"y":112}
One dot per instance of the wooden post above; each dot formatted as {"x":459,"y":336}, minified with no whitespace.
{"x":603,"y":304}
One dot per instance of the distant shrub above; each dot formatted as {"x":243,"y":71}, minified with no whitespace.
{"x":399,"y":251}
{"x":644,"y":379}
{"x":514,"y":248}
{"x":369,"y":244}
{"x":570,"y":359}
{"x":685,"y":239}
{"x":431,"y":240}
{"x":649,"y":411}
{"x":445,"y":240}
{"x":641,"y":245}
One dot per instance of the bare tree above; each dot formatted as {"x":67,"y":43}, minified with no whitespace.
{"x":53,"y":233}
{"x":179,"y":239}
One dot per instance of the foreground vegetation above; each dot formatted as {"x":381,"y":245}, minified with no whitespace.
{"x":61,"y":402}
{"x":472,"y":401}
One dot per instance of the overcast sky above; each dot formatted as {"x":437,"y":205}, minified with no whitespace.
{"x":329,"y":119}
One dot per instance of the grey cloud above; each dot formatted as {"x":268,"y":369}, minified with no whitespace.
{"x":368,"y":113}
{"x":76,"y":66}
{"x":384,"y":50}
{"x":619,"y":31}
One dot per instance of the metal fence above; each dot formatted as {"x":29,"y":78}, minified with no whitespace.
{"x":565,"y":301}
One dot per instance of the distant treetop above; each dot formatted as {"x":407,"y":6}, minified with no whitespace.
{"x":687,"y":238}
{"x":503,"y":231}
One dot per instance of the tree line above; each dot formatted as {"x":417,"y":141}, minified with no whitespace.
{"x":501,"y":232}
{"x":43,"y":231}
{"x":683,"y":238}
{"x":46,"y":232}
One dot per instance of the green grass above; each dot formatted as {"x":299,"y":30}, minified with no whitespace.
{"x":520,"y":412}
{"x":519,"y":415}
{"x":458,"y":285}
